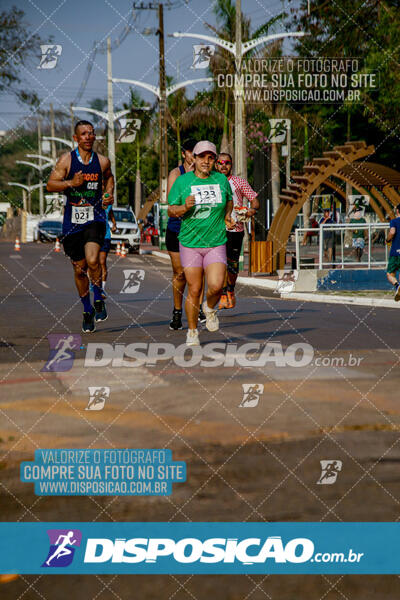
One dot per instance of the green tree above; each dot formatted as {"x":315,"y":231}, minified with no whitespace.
{"x":17,"y":48}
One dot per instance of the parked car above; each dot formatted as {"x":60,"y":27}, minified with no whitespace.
{"x":49,"y":231}
{"x":127,"y":229}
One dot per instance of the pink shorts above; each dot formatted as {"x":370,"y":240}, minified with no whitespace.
{"x":202,"y":257}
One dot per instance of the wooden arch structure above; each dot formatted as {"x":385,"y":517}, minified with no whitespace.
{"x":341,"y":163}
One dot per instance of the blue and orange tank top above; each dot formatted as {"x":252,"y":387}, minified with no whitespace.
{"x":84,"y":203}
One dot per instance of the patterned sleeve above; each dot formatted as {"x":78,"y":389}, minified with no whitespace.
{"x":246,"y":189}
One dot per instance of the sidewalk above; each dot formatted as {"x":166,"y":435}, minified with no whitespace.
{"x":365,"y":298}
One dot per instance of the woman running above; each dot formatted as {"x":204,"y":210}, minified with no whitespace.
{"x":202,"y":198}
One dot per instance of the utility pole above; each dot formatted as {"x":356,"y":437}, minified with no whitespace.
{"x":41,"y":196}
{"x":52,"y":133}
{"x":110,"y":105}
{"x":163,"y":124}
{"x":138,"y":183}
{"x":238,"y":91}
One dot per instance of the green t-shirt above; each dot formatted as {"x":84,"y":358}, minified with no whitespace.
{"x":203,"y":226}
{"x":358,"y":233}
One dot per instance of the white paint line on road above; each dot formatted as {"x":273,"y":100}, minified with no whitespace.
{"x":15,"y":256}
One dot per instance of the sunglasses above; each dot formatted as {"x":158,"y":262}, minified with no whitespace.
{"x":224,"y":162}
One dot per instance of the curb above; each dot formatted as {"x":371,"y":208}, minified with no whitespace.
{"x":268,"y":284}
{"x":157,"y":253}
{"x":271,"y":284}
{"x":377,"y":302}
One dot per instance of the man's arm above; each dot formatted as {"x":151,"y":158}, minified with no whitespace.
{"x":57,"y":181}
{"x":108,"y":180}
{"x":251,"y":196}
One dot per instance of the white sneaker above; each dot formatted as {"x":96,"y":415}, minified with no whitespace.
{"x":192,"y":338}
{"x":212,"y":321}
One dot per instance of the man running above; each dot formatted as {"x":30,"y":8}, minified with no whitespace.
{"x":240,"y":189}
{"x":203,"y":200}
{"x":394,"y":257}
{"x":172,"y":242}
{"x":105,"y":249}
{"x":82,"y":175}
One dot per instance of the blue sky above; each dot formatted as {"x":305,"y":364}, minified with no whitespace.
{"x":76,"y":25}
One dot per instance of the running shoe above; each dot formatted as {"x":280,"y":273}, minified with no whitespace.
{"x":397,"y":294}
{"x":100,"y":308}
{"x":192,"y":338}
{"x":223,"y":303}
{"x":88,"y":325}
{"x":231,"y":299}
{"x":212,"y":322}
{"x":176,"y":322}
{"x":202,"y":316}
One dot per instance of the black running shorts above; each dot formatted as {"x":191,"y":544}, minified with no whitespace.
{"x":234,"y":244}
{"x":171,"y":241}
{"x":74,"y":244}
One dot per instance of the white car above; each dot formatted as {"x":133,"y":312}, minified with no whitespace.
{"x":127,"y":229}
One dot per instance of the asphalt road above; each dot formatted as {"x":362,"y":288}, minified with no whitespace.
{"x":257,"y":462}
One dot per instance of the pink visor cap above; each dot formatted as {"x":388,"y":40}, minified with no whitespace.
{"x":205,"y":146}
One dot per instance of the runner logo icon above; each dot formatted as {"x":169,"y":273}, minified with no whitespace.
{"x":202,"y":54}
{"x":97,"y":397}
{"x":133,"y":279}
{"x":63,"y":543}
{"x":329,"y":471}
{"x":50,"y":55}
{"x":61,"y":353}
{"x":251,"y":394}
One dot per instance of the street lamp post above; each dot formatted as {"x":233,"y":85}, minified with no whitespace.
{"x":239,"y":49}
{"x":111,"y":139}
{"x":53,"y":138}
{"x":26,"y":188}
{"x":40,"y":167}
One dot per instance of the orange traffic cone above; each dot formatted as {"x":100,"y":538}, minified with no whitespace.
{"x":57,"y":247}
{"x":17,"y":246}
{"x":118,"y":251}
{"x":123,"y":250}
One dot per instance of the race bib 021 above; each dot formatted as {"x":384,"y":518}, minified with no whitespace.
{"x":82,"y":214}
{"x":207,"y":194}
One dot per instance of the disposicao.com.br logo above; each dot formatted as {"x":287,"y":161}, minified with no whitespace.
{"x":217,"y":354}
{"x":199,"y":547}
{"x":191,"y":550}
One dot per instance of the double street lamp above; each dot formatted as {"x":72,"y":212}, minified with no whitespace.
{"x":238,"y":50}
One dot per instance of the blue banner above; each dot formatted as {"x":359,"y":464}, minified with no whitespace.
{"x":100,"y":472}
{"x":200,"y":548}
